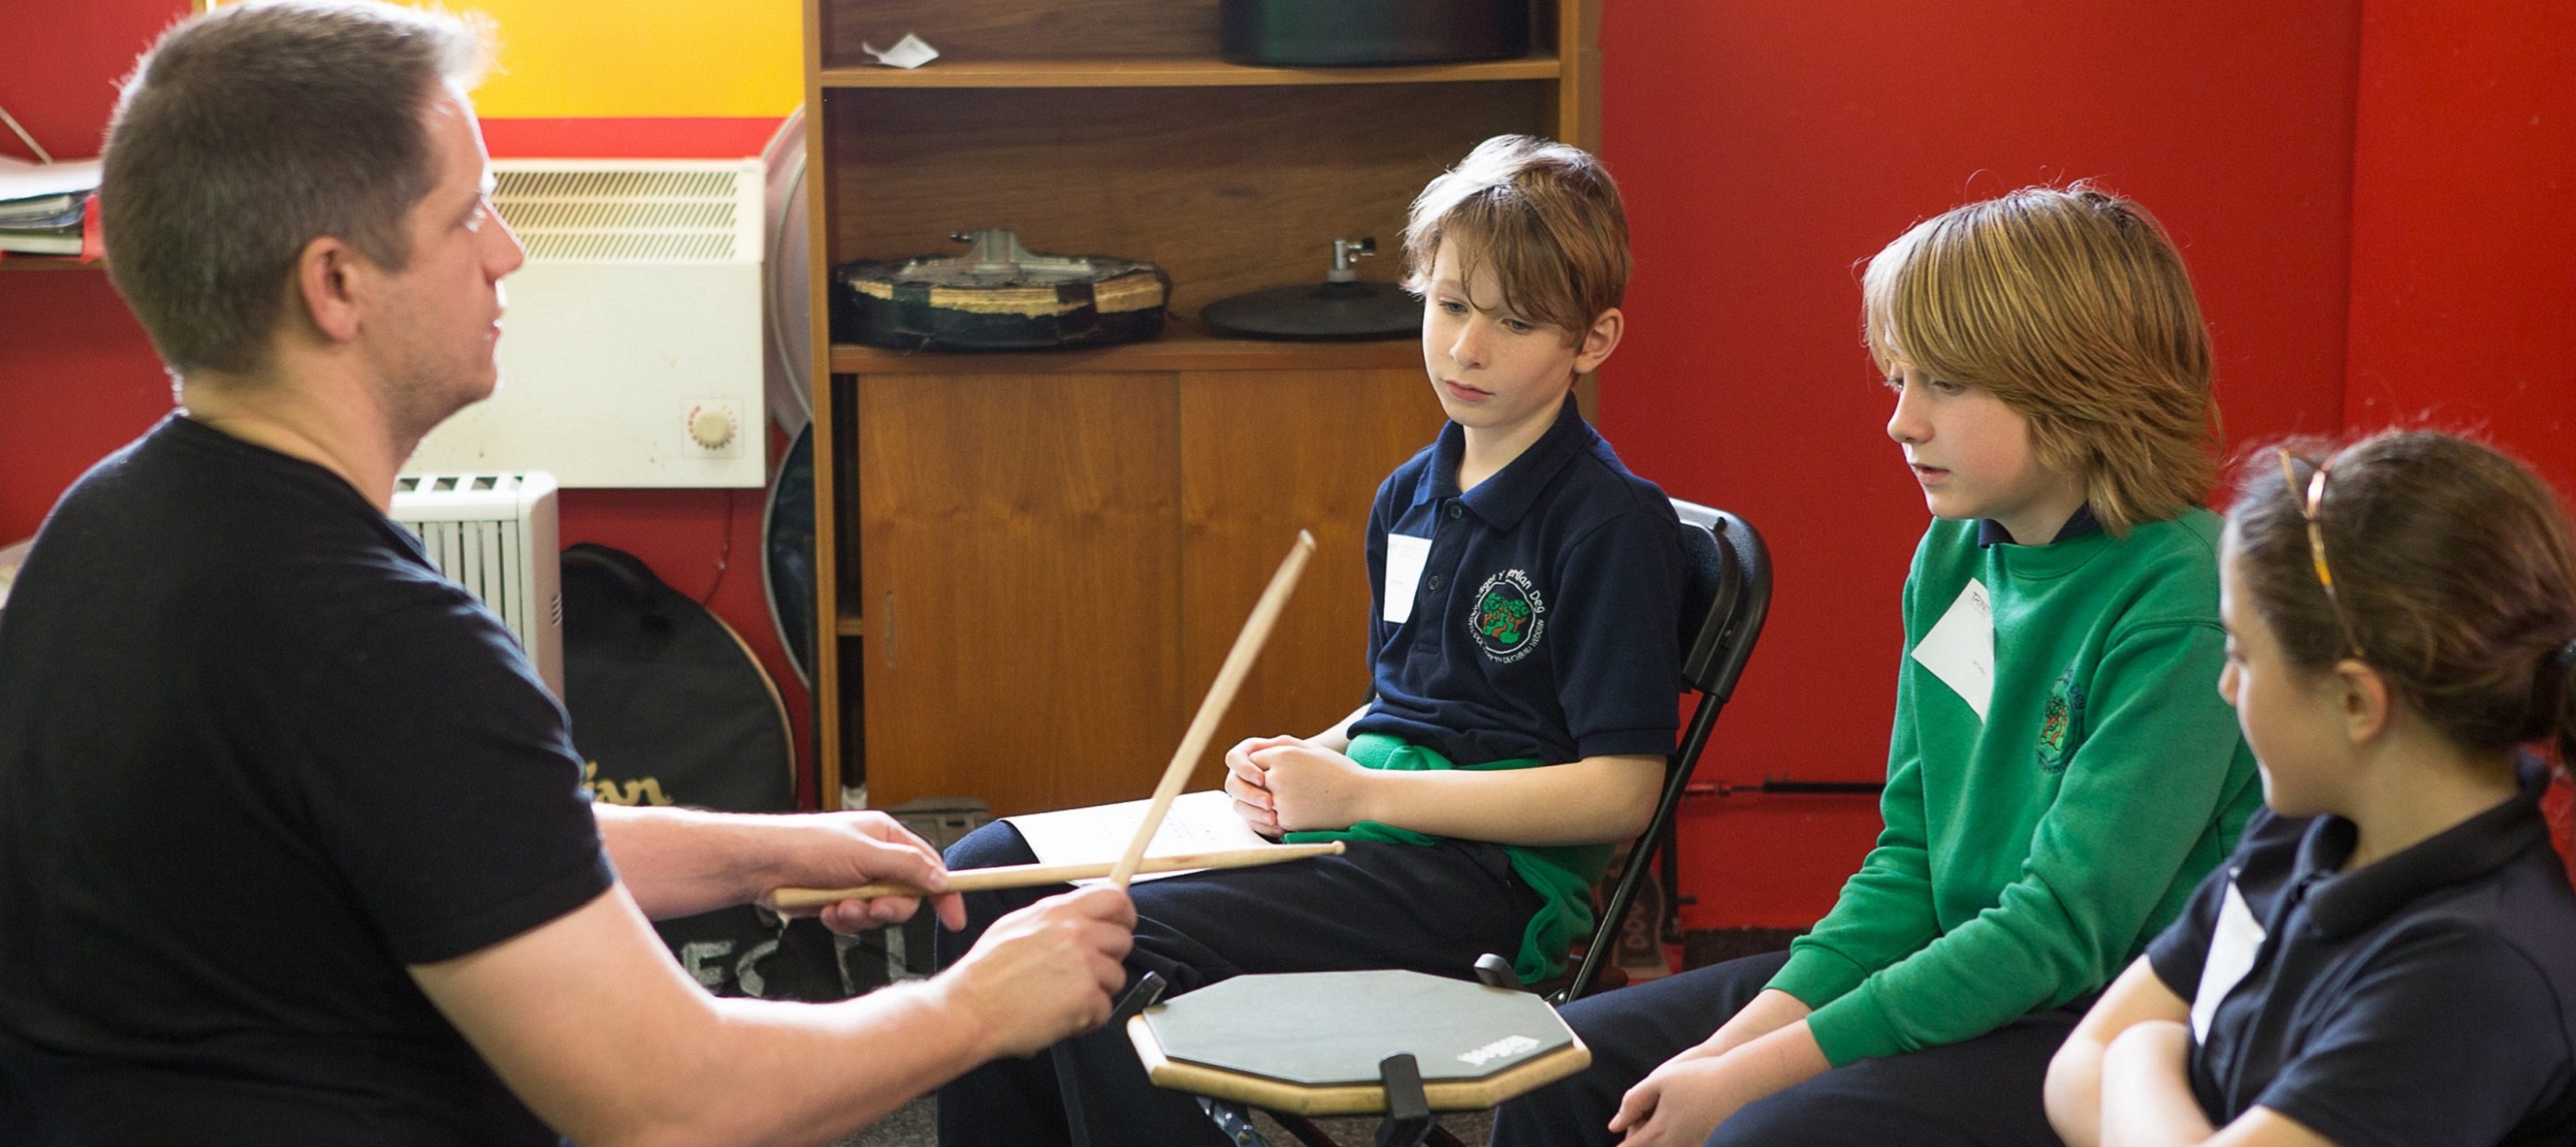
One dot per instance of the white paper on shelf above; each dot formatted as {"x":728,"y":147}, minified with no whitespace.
{"x":20,"y":179}
{"x":1197,"y":822}
{"x":909,"y":52}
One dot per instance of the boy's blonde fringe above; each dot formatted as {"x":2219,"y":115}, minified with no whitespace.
{"x":2072,"y":307}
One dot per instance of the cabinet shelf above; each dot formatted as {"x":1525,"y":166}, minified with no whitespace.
{"x":1176,"y":350}
{"x":1171,"y":72}
{"x":17,"y":262}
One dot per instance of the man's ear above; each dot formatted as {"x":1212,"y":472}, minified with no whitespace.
{"x":2365,"y":700}
{"x":326,"y":274}
{"x":1599,"y":339}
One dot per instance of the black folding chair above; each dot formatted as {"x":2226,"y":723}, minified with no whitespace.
{"x":1726,"y":594}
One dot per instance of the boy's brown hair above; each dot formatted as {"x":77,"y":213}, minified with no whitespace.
{"x":2073,"y":308}
{"x":2453,"y":575}
{"x":1545,"y":216}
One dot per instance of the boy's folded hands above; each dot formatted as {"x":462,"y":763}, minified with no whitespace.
{"x":1290,"y":784}
{"x":1311,"y":787}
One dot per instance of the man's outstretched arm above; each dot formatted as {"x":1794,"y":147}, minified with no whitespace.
{"x":593,"y":1026}
{"x":680,"y":862}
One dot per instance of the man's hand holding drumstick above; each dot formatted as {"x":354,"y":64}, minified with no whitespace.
{"x":1046,"y":971}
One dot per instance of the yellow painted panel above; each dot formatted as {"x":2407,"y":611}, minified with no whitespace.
{"x":643,"y":58}
{"x":640,"y":58}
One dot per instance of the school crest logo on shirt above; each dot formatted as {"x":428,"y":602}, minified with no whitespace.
{"x":1508,"y":616}
{"x":2061,"y":724}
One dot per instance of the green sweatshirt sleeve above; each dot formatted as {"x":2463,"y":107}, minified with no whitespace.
{"x":2138,"y":796}
{"x":1885,"y":911}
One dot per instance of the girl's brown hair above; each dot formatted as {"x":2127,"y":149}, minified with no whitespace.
{"x":1546,"y":216}
{"x":2072,"y":307}
{"x":2451,"y":563}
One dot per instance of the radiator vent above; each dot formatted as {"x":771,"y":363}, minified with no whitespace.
{"x":602,"y":211}
{"x":495,"y":535}
{"x":633,"y":329}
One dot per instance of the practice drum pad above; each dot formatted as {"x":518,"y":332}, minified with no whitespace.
{"x":1311,"y":1042}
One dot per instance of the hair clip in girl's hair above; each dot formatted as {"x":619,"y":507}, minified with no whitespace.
{"x":2565,"y":658}
{"x":2312,"y":509}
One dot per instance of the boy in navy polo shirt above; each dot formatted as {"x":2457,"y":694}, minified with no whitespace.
{"x":2390,"y":957}
{"x":1524,"y":646}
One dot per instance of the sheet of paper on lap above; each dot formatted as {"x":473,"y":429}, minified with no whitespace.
{"x":1197,"y":822}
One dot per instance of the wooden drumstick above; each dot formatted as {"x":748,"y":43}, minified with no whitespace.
{"x":1036,"y":875}
{"x":1229,"y":678}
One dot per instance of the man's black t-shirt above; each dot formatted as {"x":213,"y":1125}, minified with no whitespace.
{"x":256,"y":756}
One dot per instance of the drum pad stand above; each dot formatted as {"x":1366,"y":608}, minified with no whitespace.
{"x":1408,"y":1110}
{"x":1140,"y":996}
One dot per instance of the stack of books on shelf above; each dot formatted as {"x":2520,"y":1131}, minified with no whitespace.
{"x":42,"y":205}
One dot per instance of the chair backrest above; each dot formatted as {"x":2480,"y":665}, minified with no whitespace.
{"x":1726,"y":595}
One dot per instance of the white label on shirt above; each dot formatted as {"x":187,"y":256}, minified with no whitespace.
{"x":2231,"y":954}
{"x":1960,"y":649}
{"x":1405,"y":555}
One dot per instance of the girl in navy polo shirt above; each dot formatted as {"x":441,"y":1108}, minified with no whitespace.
{"x":2390,"y":957}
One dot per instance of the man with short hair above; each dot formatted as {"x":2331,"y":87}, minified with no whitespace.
{"x":292,"y":846}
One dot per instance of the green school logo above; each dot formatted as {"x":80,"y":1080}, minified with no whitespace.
{"x":1508,"y":616}
{"x":2061,"y":723}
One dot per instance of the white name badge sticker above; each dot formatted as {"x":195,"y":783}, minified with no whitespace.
{"x":1405,"y":555}
{"x":1960,"y":649}
{"x":2231,"y":954}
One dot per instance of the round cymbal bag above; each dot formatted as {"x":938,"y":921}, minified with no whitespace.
{"x":669,"y":707}
{"x":998,"y":296}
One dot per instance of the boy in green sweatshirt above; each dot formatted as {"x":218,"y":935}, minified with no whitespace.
{"x":2061,"y":773}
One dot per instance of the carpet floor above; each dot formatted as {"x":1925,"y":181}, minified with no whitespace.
{"x":913,"y":1126}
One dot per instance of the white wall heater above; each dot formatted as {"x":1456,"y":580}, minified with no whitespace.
{"x":495,"y":535}
{"x":630,"y":354}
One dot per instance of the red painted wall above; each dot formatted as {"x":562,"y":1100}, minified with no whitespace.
{"x":1766,"y":147}
{"x":2464,"y":250}
{"x":76,"y":374}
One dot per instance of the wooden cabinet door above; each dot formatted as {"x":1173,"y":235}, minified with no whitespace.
{"x":1053,"y":566}
{"x":1264,"y":454}
{"x":1020,"y":586}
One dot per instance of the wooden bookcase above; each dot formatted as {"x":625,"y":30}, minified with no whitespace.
{"x":1030,"y":565}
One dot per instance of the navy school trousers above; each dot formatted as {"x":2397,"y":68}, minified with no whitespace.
{"x":1427,"y":909}
{"x":1984,"y":1092}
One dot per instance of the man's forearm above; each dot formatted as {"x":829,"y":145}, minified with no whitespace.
{"x":592,"y":1024}
{"x":850,"y":1065}
{"x":680,"y":862}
